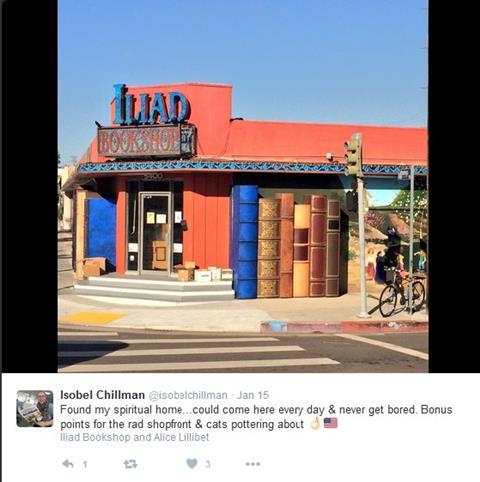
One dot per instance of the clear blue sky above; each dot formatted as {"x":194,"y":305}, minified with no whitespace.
{"x":326,"y":61}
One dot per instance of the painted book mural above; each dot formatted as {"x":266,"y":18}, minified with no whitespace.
{"x":388,"y":211}
{"x":387,"y":203}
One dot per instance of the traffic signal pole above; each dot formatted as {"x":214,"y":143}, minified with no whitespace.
{"x":361,"y":234}
{"x":410,"y":264}
{"x":353,"y":159}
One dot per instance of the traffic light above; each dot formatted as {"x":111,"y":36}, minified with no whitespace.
{"x":353,"y":156}
{"x":352,"y":201}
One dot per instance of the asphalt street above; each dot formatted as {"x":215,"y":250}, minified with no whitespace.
{"x":87,"y":349}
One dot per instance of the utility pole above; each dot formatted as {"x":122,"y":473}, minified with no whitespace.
{"x":353,"y":157}
{"x":361,"y":227}
{"x":401,"y":176}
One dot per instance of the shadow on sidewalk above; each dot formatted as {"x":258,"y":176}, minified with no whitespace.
{"x":67,"y":356}
{"x":395,"y":311}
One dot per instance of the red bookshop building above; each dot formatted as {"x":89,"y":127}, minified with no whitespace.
{"x":176,"y":177}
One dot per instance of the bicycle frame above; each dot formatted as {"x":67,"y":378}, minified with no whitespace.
{"x":398,"y":285}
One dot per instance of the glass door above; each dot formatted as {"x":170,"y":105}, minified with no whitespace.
{"x":155,"y":232}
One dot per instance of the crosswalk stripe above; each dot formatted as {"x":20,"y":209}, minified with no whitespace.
{"x":207,"y":365}
{"x":179,"y":351}
{"x":388,"y":346}
{"x":87,"y":333}
{"x":132,"y":341}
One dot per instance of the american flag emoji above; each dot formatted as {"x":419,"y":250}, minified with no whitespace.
{"x":330,"y":422}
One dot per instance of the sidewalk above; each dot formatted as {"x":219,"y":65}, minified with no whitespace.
{"x":64,"y":261}
{"x":292,"y":315}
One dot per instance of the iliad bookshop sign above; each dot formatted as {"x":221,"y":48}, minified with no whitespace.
{"x":147,"y":127}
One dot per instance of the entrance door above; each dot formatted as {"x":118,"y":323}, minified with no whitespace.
{"x":155,"y":232}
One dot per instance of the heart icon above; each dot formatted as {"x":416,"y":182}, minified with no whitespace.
{"x":191,"y":463}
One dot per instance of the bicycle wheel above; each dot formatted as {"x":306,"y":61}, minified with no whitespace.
{"x":418,"y":291}
{"x":388,"y":301}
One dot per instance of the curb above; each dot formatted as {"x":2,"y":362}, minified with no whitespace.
{"x":187,"y":328}
{"x":377,"y":326}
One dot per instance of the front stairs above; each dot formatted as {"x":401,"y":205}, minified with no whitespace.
{"x":132,"y":287}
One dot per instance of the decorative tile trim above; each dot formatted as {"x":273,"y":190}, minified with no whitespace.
{"x":212,"y":165}
{"x":389,"y":169}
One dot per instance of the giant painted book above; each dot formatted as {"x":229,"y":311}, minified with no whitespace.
{"x":244,"y":240}
{"x":318,"y":244}
{"x":301,"y":265}
{"x":287,"y":205}
{"x":332,"y":281}
{"x":268,"y":285}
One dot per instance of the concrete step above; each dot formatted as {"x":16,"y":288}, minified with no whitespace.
{"x":153,"y":294}
{"x":150,"y":284}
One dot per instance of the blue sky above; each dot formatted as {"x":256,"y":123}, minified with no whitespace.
{"x":382,"y":197}
{"x":326,"y":61}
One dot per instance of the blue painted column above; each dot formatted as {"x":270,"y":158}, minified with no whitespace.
{"x":244,"y":241}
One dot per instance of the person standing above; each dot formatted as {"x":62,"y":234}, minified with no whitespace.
{"x":380,"y":268}
{"x":422,"y":259}
{"x":370,"y":268}
{"x":46,"y":410}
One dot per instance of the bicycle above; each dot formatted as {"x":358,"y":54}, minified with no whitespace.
{"x":395,"y":291}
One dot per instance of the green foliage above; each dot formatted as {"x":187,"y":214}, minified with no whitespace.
{"x":402,"y":199}
{"x":402,"y":203}
{"x":352,"y":254}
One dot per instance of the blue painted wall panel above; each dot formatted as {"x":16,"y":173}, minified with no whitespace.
{"x":101,"y":226}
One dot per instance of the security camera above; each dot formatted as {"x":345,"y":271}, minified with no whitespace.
{"x":329,"y":156}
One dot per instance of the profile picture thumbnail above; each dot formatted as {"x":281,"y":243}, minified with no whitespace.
{"x":34,"y":408}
